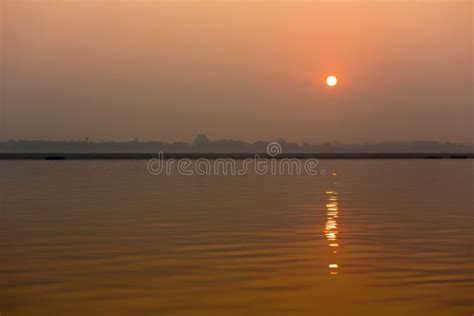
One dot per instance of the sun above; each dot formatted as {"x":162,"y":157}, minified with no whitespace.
{"x":331,"y":81}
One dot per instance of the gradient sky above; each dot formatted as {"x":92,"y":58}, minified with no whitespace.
{"x":168,"y":70}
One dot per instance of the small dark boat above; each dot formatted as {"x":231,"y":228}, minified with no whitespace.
{"x":55,"y":158}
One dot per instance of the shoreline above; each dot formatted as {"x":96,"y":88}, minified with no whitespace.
{"x":194,"y":156}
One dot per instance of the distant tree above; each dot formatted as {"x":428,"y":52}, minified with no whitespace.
{"x":201,"y":141}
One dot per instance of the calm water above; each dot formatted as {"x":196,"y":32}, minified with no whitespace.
{"x":390,"y":237}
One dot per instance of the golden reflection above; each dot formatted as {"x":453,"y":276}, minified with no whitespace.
{"x":331,"y":229}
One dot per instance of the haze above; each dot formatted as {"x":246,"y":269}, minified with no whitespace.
{"x":169,"y":70}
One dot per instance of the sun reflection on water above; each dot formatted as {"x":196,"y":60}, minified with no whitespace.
{"x":331,"y":229}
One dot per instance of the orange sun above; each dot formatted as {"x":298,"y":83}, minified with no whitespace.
{"x":331,"y":81}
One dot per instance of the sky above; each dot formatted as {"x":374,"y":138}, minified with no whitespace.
{"x":250,"y":70}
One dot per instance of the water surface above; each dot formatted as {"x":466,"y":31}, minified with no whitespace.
{"x":377,"y":237}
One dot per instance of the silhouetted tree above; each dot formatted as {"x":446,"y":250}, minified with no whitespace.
{"x":201,"y":141}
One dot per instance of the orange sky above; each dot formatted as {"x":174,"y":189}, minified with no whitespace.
{"x":237,"y":69}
